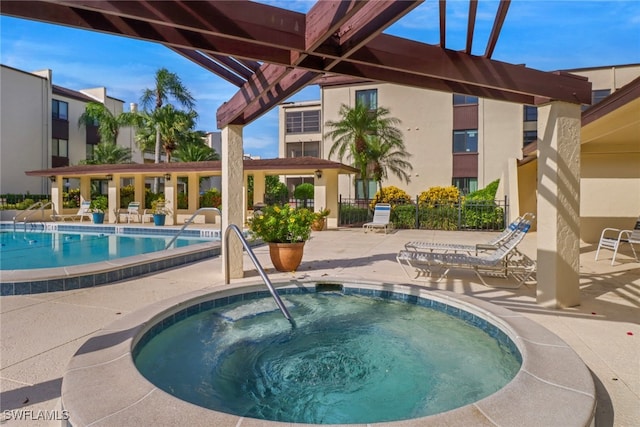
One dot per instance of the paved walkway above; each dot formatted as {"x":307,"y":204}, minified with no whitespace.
{"x":40,"y":333}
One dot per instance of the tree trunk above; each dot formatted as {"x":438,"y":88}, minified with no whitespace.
{"x":157,"y":158}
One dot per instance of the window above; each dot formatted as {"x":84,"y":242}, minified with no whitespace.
{"x":464,"y":99}
{"x":465,"y":141}
{"x":59,"y":147}
{"x":302,"y":121}
{"x":599,"y":95}
{"x":372,"y":187}
{"x":300,"y":149}
{"x":465,"y":185}
{"x":60,"y":110}
{"x":529,"y":137}
{"x":368,"y":98}
{"x":530,"y":113}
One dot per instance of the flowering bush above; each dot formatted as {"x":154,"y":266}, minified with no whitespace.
{"x":282,"y":224}
{"x":393,"y":195}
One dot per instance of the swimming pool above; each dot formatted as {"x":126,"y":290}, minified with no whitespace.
{"x":58,"y":257}
{"x":31,"y":250}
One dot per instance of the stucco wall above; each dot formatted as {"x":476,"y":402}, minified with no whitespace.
{"x":24,"y":130}
{"x":609,"y":193}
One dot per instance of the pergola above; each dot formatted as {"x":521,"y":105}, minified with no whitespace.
{"x":325,"y":172}
{"x":270,"y":53}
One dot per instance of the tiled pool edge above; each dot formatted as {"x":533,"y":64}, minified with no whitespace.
{"x":63,"y":278}
{"x":554,"y":387}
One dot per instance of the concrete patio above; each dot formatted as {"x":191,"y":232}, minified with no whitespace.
{"x":41,"y":332}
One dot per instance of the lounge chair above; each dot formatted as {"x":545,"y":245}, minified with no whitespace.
{"x":504,"y":261}
{"x":132,"y":213}
{"x":612,"y":238}
{"x":381,"y":218}
{"x":84,"y":210}
{"x":470,"y":249}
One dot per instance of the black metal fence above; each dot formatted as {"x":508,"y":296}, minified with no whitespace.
{"x":455,"y":215}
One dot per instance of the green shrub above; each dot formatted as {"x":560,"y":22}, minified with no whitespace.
{"x":353,"y":214}
{"x":211,"y":198}
{"x":487,"y":193}
{"x":404,"y":216}
{"x":304,"y":192}
{"x":183,"y":201}
{"x":127,"y":195}
{"x":441,"y":217}
{"x":275,"y":192}
{"x":480,"y":209}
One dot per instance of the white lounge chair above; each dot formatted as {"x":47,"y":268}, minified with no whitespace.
{"x":133,"y":212}
{"x":505,"y":261}
{"x":470,"y":249}
{"x":381,"y":218}
{"x":84,"y":210}
{"x":612,"y":238}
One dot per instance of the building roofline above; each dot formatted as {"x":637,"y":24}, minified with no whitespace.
{"x":22,"y":71}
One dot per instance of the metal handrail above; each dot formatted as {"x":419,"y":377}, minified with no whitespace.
{"x":190,"y":220}
{"x":255,"y":261}
{"x":40,"y":205}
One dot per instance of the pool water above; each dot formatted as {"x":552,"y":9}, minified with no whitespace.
{"x":351,"y":359}
{"x":31,"y":250}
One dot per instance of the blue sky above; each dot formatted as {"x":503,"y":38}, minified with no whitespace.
{"x":543,"y":34}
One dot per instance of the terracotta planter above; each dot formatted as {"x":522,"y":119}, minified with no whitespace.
{"x":286,"y":256}
{"x":318,"y":224}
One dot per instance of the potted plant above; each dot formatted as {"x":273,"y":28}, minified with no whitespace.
{"x":159,"y":211}
{"x":99,"y":206}
{"x":318,"y":223}
{"x":285,"y":230}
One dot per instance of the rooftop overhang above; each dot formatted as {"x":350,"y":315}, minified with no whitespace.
{"x":614,"y":123}
{"x":271,"y":53}
{"x":611,"y":126}
{"x":293,"y":166}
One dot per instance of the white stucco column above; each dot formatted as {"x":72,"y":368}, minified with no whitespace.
{"x":259,"y":183}
{"x":232,"y":195}
{"x":113,"y":195}
{"x":171,"y":198}
{"x":193,"y":192}
{"x":558,"y":205}
{"x":85,"y":188}
{"x":138,"y":190}
{"x":57,"y":198}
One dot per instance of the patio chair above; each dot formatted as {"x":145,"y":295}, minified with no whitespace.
{"x":612,"y":238}
{"x":470,"y":249}
{"x":132,"y":212}
{"x":505,"y":261}
{"x":84,"y":210}
{"x":381,"y":218}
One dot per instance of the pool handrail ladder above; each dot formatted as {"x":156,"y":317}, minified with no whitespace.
{"x":261,"y":272}
{"x":40,"y":205}
{"x":190,"y":221}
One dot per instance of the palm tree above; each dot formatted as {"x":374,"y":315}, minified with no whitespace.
{"x":167,"y":86}
{"x":350,"y":133}
{"x":195,"y":152}
{"x":174,"y":127}
{"x":108,"y":153}
{"x":386,"y":155}
{"x":109,"y":125}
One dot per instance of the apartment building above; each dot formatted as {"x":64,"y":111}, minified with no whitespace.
{"x":39,"y":127}
{"x":453,"y":139}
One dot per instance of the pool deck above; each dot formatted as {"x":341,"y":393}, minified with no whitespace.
{"x":41,"y":332}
